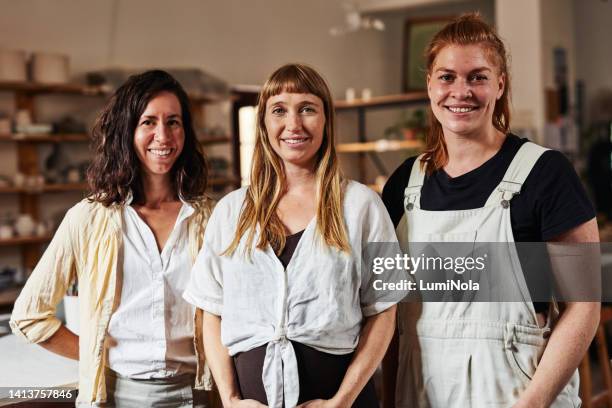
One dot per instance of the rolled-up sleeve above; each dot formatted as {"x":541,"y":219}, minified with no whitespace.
{"x":205,"y":289}
{"x":33,"y":316}
{"x":379,"y":243}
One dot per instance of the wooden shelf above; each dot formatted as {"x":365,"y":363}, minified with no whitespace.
{"x":58,"y":188}
{"x":88,"y":90}
{"x":82,"y":137}
{"x":9,"y":190}
{"x":25,"y":240}
{"x":44,"y":138}
{"x":222,"y":181}
{"x":209,"y":98}
{"x":9,"y":295}
{"x":365,"y":148}
{"x":54,"y":188}
{"x":383,"y":101}
{"x":382,"y":145}
{"x":209,"y":140}
{"x":47,"y":188}
{"x":37,"y":88}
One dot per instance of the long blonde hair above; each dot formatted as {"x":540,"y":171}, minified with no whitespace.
{"x":467,"y":29}
{"x":268,"y":179}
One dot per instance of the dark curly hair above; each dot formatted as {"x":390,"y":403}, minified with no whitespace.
{"x":116,"y":170}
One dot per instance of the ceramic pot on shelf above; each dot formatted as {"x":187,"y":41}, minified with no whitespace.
{"x":25,"y":225}
{"x":50,"y":68}
{"x":6,"y":231}
{"x":41,"y":229}
{"x":13,"y":65}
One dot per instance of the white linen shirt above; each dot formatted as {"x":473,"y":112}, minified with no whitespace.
{"x":151,"y":332}
{"x":317,"y":301}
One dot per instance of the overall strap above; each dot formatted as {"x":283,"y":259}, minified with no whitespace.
{"x":517,"y":173}
{"x":413,"y":191}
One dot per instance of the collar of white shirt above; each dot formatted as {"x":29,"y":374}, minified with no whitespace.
{"x":185,"y":212}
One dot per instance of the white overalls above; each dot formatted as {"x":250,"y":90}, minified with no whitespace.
{"x":471,"y":354}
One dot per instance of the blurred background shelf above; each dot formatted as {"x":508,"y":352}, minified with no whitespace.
{"x":381,"y":145}
{"x":208,"y":98}
{"x":37,"y":88}
{"x":47,"y":188}
{"x":370,"y":148}
{"x":25,"y":240}
{"x":9,"y":295}
{"x":223,"y":181}
{"x":44,"y":138}
{"x":211,"y":140}
{"x":384,"y":101}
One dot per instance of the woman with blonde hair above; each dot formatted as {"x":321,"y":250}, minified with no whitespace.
{"x":478,"y":182}
{"x":290,"y":316}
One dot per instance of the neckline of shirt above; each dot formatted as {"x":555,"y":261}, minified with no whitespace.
{"x":185,"y":212}
{"x":506,"y":152}
{"x":299,"y":233}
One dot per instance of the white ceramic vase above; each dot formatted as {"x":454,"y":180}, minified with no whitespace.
{"x":25,"y":225}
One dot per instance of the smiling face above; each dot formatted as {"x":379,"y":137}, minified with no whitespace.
{"x":159,"y":136}
{"x":295,"y":123}
{"x":463,"y":86}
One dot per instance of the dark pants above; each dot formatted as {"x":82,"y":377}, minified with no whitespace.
{"x":320,"y":375}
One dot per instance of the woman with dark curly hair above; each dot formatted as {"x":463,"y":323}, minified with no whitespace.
{"x":130,"y":245}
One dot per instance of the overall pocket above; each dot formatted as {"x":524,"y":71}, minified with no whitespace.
{"x":524,"y":356}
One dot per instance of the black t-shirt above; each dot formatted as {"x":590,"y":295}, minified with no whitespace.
{"x":552,"y":200}
{"x":291,"y":242}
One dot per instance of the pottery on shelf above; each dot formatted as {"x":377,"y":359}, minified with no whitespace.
{"x":6,"y":231}
{"x":25,"y":225}
{"x":50,"y":68}
{"x":13,"y":65}
{"x":41,"y":229}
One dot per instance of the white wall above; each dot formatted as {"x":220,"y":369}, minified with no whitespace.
{"x":558,"y":31}
{"x":519,"y":25}
{"x":238,"y":41}
{"x":544,"y":25}
{"x":394,"y":34}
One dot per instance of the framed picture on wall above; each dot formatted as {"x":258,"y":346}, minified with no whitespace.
{"x":417,"y":34}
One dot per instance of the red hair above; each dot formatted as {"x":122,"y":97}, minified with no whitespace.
{"x":468,"y":29}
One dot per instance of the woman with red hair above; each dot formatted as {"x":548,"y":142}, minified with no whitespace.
{"x":478,"y":182}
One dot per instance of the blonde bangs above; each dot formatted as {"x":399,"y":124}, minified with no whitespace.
{"x":268,"y":182}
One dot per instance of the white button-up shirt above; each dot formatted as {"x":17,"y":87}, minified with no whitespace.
{"x":151,"y":332}
{"x":319,"y":300}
